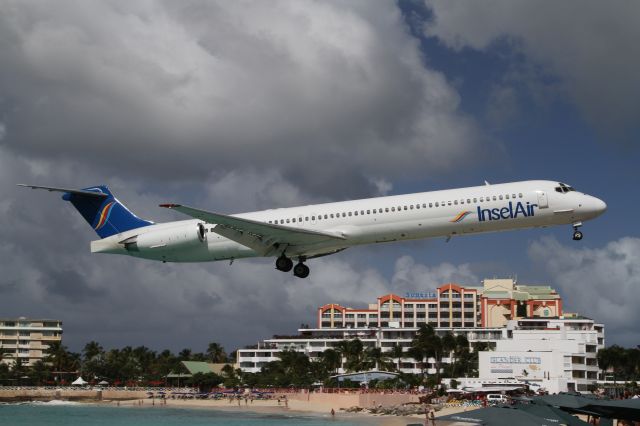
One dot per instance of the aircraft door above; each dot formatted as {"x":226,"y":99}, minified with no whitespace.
{"x":543,"y":201}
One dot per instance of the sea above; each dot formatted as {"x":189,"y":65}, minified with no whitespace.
{"x":60,"y":413}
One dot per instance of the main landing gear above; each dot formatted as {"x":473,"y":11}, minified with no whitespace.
{"x":284,"y":264}
{"x":577,"y":235}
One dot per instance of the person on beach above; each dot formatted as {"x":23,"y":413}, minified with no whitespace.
{"x":333,"y":412}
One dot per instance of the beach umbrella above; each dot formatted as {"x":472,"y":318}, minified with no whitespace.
{"x":552,"y":414}
{"x":79,"y":382}
{"x":497,"y":416}
{"x":626,"y":409}
{"x":103,"y":383}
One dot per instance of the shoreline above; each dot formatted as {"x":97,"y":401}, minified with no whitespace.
{"x":299,"y":403}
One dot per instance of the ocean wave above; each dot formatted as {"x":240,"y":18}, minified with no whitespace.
{"x":54,"y":402}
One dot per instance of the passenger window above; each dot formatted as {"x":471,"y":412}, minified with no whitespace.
{"x":437,"y":204}
{"x":506,"y":196}
{"x":417,"y":206}
{"x":411,"y":206}
{"x":494,"y":198}
{"x":344,"y":214}
{"x":306,"y":218}
{"x":424,"y":205}
{"x":368,"y":211}
{"x":405,"y":207}
{"x":293,"y":220}
{"x":393,"y":209}
{"x":449,"y":203}
{"x":313,"y":218}
{"x":281,"y":221}
{"x":356,"y":213}
{"x":475,"y":200}
{"x":361,"y":211}
{"x":481,"y":199}
{"x":520,"y":195}
{"x":430,"y":205}
{"x":287,"y":220}
{"x":350,"y":214}
{"x":513,"y":196}
{"x":326,"y":216}
{"x":386,"y":209}
{"x":454,"y":202}
{"x":499,"y":197}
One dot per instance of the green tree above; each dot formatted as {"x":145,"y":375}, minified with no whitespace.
{"x":397,"y":351}
{"x":427,"y":344}
{"x":331,"y":360}
{"x":216,"y":353}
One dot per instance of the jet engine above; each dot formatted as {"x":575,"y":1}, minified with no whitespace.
{"x":179,"y":237}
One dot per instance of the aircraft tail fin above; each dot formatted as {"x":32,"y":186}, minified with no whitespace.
{"x":104,"y":212}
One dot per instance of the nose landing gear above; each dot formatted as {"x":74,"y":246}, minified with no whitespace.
{"x":577,"y":235}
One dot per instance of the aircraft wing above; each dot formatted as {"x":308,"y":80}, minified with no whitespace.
{"x":265,"y":238}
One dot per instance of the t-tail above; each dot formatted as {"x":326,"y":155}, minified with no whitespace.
{"x":106,"y":215}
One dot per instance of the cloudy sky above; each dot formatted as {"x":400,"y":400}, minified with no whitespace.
{"x":242,"y":105}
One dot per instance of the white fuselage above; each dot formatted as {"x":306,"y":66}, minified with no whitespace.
{"x":444,"y":213}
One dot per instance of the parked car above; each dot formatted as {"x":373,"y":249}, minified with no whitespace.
{"x":497,"y":398}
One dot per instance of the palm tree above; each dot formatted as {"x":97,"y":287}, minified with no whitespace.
{"x":449,"y":346}
{"x":185,"y":354}
{"x":397,"y":351}
{"x":331,"y":360}
{"x":57,"y":356}
{"x":374,"y":357}
{"x":216,"y":353}
{"x":427,"y":344}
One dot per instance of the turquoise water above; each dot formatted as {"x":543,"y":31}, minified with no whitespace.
{"x":77,"y":415}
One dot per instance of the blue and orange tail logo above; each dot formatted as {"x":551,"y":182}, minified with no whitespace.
{"x":460,"y":217}
{"x":104,"y":215}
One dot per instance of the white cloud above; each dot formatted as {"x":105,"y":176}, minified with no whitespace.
{"x":411,"y":276}
{"x":601,"y":283}
{"x":590,"y":45}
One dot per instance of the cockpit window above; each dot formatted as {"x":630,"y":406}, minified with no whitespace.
{"x":563,"y":188}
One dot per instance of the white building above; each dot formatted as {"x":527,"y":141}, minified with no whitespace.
{"x":27,"y":339}
{"x":314,"y":341}
{"x":556,"y":354}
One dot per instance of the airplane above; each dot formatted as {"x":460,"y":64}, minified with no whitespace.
{"x":311,"y":231}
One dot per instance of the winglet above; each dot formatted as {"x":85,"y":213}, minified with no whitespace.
{"x":170,"y":205}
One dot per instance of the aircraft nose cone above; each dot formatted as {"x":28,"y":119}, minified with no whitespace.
{"x":598,"y":206}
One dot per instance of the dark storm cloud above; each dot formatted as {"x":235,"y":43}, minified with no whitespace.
{"x":591,"y":45}
{"x":178,"y":90}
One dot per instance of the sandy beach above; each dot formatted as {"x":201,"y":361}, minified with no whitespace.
{"x":317,"y":408}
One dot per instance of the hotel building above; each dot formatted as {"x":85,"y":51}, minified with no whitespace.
{"x":500,"y":313}
{"x":27,"y":339}
{"x":451,"y":306}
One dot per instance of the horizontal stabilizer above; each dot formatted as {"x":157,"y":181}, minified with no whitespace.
{"x":70,"y":191}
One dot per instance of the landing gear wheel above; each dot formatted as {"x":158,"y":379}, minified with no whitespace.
{"x":301,"y":270}
{"x":577,"y":235}
{"x":284,"y":264}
